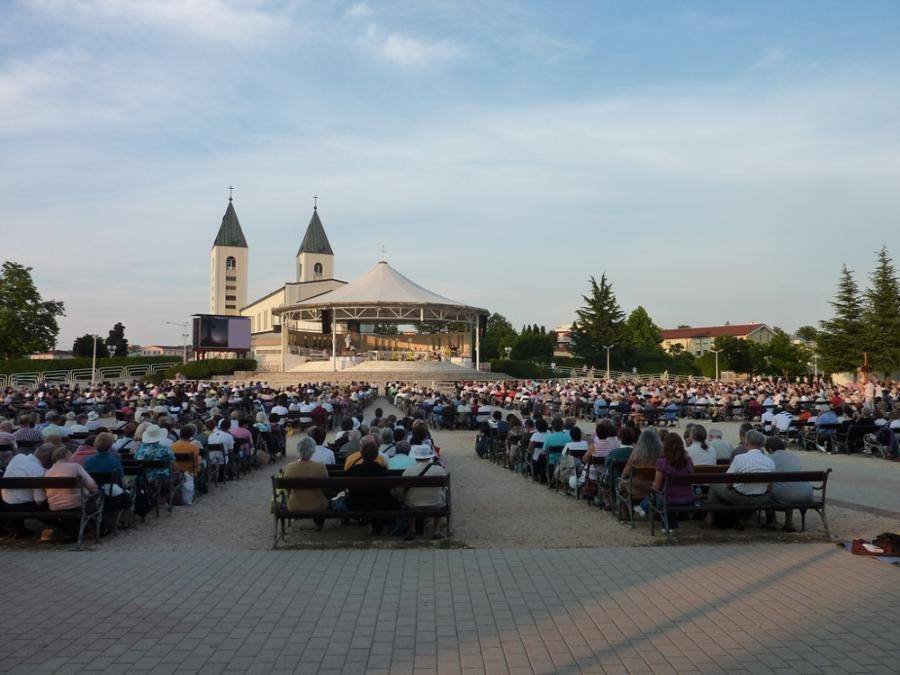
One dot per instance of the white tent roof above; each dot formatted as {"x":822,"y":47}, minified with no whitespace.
{"x":381,"y":285}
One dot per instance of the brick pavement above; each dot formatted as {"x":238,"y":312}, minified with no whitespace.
{"x":809,"y":608}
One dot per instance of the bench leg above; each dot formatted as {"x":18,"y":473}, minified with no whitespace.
{"x":824,"y":521}
{"x":275,"y":538}
{"x":81,"y":528}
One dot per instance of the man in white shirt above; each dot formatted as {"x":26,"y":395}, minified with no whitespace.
{"x":26,"y":465}
{"x":782,"y":421}
{"x":719,"y":444}
{"x":221,"y":437}
{"x":752,"y":461}
{"x":322,"y":454}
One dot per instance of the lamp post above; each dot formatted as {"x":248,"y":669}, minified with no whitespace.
{"x":815,"y":367}
{"x":716,"y":352}
{"x":184,"y":335}
{"x":508,"y":351}
{"x":94,"y":363}
{"x":607,"y":348}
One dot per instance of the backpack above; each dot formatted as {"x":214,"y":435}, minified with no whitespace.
{"x":144,"y":501}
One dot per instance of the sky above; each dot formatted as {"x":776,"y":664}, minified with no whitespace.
{"x":719,"y":161}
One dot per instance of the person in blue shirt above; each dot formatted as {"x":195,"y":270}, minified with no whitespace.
{"x":555,"y":440}
{"x":103,"y":461}
{"x":401,"y":459}
{"x":600,"y":407}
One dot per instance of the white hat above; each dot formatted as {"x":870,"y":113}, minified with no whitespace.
{"x":93,"y":416}
{"x":421,"y":452}
{"x":153,"y":434}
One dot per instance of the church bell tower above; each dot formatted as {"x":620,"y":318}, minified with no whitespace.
{"x":315,"y":259}
{"x":228,"y":266}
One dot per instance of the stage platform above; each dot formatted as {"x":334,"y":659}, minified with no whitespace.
{"x":375,"y":372}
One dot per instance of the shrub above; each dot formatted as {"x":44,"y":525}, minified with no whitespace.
{"x":207,"y":368}
{"x":523,"y":370}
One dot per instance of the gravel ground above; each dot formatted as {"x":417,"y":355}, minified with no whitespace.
{"x":492,"y":508}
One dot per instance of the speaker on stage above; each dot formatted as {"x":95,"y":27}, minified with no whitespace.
{"x":326,"y":320}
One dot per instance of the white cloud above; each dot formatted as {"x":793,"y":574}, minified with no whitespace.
{"x":234,"y":21}
{"x":771,"y":56}
{"x":416,"y":52}
{"x":359,"y":10}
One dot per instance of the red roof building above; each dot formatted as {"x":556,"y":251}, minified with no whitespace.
{"x":698,"y":341}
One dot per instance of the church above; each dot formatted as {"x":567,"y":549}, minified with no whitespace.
{"x":381,"y":315}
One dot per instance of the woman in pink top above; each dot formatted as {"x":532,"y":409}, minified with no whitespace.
{"x":604,"y":439}
{"x":62,"y":499}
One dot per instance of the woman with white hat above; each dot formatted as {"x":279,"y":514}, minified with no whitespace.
{"x":155,"y":445}
{"x":423,"y":497}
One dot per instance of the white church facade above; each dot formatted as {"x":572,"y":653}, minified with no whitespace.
{"x":314,"y":275}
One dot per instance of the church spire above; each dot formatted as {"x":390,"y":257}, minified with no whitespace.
{"x":315,"y":240}
{"x":230,"y":232}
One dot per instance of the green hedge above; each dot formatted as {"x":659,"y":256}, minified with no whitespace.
{"x":42,"y":365}
{"x":207,"y":368}
{"x":522,"y":370}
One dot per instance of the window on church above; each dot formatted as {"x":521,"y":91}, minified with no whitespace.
{"x":317,"y":271}
{"x":230,"y":263}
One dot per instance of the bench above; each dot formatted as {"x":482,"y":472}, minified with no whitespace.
{"x":660,"y":507}
{"x":86,"y":513}
{"x":336,"y":484}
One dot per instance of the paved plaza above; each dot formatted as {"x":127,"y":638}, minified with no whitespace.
{"x":794,"y":608}
{"x":533,"y":582}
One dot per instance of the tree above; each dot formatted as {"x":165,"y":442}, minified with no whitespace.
{"x":882,"y":316}
{"x":782,"y":357}
{"x":27,"y":322}
{"x":116,"y":344}
{"x":807,"y":333}
{"x":599,"y":323}
{"x":841,"y":339}
{"x":534,"y":345}
{"x":642,"y":332}
{"x":498,"y":335}
{"x":84,"y":346}
{"x":386,"y":329}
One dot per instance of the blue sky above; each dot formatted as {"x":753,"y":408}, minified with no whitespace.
{"x":719,"y":160}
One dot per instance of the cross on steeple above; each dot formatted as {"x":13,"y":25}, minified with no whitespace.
{"x":230,"y":189}
{"x":315,"y":202}
{"x":383,"y":251}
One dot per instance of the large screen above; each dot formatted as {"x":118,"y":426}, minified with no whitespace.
{"x":221,"y":333}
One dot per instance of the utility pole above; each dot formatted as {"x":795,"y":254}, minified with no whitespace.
{"x":94,"y":363}
{"x":716,"y":352}
{"x":184,"y":336}
{"x":607,"y":348}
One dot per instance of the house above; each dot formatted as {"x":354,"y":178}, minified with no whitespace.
{"x":563,"y":340}
{"x":698,"y":341}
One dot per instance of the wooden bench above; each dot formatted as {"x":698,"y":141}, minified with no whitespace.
{"x":659,"y":505}
{"x":336,"y":484}
{"x":84,"y":514}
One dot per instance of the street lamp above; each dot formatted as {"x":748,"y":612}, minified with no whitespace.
{"x":607,"y":348}
{"x":815,"y":358}
{"x":94,"y":363}
{"x":716,"y":352}
{"x":184,"y":335}
{"x":508,"y":351}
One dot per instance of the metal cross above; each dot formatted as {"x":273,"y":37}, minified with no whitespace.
{"x":315,"y":202}
{"x":383,"y":251}
{"x":230,"y":188}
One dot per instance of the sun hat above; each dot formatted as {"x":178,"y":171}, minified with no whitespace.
{"x":153,"y":434}
{"x":421,"y":452}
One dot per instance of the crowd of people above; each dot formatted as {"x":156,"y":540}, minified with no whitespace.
{"x":217,"y":431}
{"x":816,"y":407}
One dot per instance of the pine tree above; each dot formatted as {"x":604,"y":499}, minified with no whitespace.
{"x":641,"y":330}
{"x":841,"y":341}
{"x":598,"y":323}
{"x":882,"y":316}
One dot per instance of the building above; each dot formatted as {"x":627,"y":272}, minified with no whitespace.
{"x":698,"y":341}
{"x":299,"y":322}
{"x":160,"y":350}
{"x":52,"y":354}
{"x":563,"y":340}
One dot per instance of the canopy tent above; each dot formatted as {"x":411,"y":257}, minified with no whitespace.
{"x":383,"y":295}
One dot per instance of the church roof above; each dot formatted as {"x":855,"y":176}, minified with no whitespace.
{"x":230,"y":232}
{"x":315,"y":240}
{"x":382,"y":285}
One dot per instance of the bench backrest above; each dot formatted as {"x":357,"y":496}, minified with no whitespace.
{"x":729,"y":478}
{"x":350,"y":482}
{"x":42,"y":483}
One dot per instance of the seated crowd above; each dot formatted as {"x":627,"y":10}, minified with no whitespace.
{"x":216,"y":431}
{"x":381,"y":446}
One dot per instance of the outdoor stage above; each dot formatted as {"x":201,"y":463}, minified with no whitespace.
{"x":425,"y":372}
